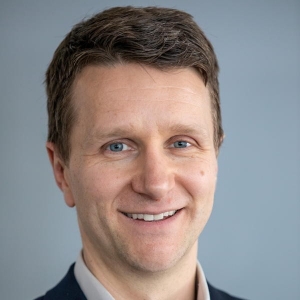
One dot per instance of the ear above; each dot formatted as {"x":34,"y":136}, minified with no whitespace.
{"x":60,"y":171}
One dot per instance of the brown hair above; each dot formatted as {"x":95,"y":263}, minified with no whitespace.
{"x":160,"y":37}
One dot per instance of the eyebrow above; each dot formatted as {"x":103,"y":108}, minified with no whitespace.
{"x":176,"y":129}
{"x":189,"y":129}
{"x":100,"y":135}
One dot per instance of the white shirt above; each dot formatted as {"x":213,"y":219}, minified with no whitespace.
{"x":94,"y":290}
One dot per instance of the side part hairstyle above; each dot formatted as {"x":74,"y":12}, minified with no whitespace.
{"x":159,"y":37}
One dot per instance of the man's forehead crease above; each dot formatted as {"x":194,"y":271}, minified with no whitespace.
{"x":111,"y":97}
{"x":145,"y":87}
{"x":141,"y":94}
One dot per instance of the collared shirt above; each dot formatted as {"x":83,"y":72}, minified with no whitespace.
{"x":94,"y":290}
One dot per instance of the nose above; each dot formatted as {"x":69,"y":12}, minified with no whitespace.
{"x":155,"y":176}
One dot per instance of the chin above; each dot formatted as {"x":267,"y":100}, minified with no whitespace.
{"x":155,"y":259}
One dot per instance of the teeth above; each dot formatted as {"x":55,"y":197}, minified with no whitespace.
{"x":149,"y":218}
{"x":158,"y":217}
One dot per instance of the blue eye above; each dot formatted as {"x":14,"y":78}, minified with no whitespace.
{"x":117,"y":147}
{"x":181,"y":144}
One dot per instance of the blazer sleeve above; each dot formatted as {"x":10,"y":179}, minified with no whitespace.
{"x":67,"y":289}
{"x":216,"y":294}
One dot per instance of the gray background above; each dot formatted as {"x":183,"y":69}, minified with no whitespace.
{"x":251,"y":244}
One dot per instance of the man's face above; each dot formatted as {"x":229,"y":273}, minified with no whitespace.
{"x":142,"y":169}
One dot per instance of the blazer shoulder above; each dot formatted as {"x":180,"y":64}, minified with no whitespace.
{"x":67,"y":289}
{"x":216,"y":294}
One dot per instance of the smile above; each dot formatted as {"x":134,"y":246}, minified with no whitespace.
{"x":150,"y":218}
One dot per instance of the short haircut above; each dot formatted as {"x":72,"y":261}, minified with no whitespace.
{"x":159,"y":37}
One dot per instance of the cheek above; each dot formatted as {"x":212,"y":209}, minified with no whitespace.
{"x":96,"y":186}
{"x":200,"y":179}
{"x":92,"y":192}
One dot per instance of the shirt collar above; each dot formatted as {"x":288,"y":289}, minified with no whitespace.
{"x":89,"y":284}
{"x":94,"y":290}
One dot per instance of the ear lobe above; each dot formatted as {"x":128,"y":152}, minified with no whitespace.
{"x":60,"y":173}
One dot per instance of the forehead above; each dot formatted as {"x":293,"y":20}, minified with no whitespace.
{"x":126,"y":94}
{"x":121,"y":77}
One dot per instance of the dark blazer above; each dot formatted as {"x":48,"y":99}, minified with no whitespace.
{"x":68,"y":289}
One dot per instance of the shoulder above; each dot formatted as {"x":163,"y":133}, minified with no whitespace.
{"x":67,"y":289}
{"x":216,"y":294}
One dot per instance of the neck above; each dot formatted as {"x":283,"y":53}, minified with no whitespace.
{"x":178,"y":282}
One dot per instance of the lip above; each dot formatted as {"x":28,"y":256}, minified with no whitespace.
{"x":150,"y":212}
{"x":166,"y":224}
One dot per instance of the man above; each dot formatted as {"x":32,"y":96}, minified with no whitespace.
{"x":134,"y":134}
